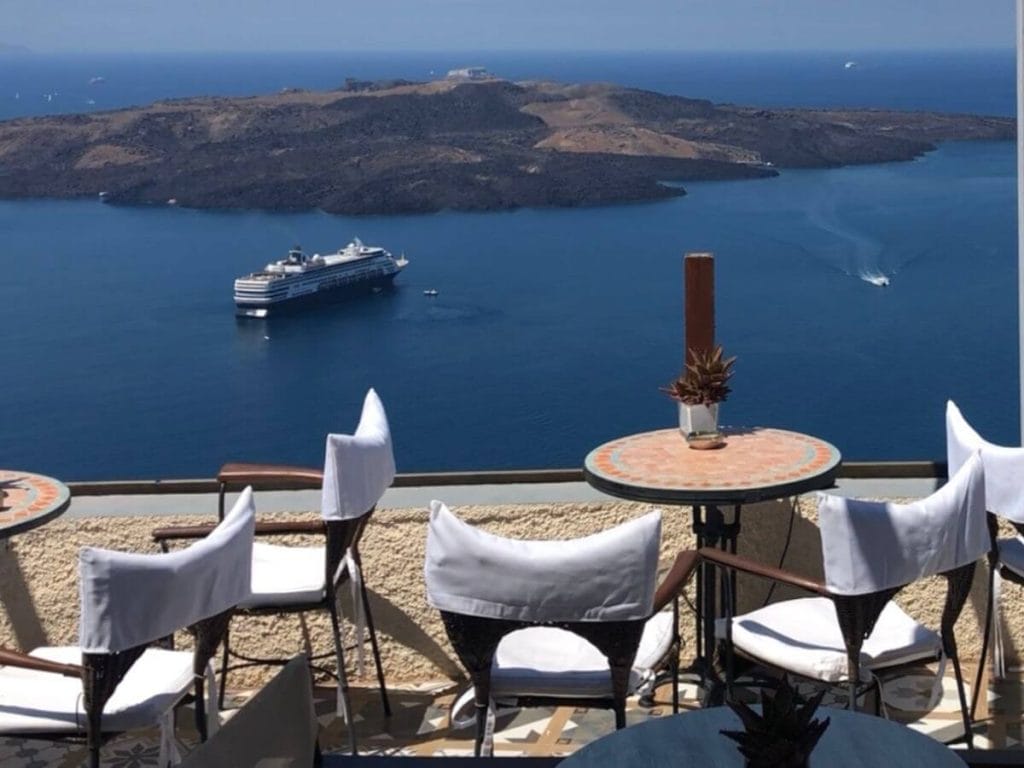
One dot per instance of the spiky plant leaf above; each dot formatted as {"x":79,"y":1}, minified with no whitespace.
{"x":782,"y":735}
{"x":704,"y":380}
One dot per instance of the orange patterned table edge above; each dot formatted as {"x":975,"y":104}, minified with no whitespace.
{"x":755,"y":464}
{"x":29,"y":500}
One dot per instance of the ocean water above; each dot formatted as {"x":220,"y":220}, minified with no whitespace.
{"x":981,"y":82}
{"x":553,"y":329}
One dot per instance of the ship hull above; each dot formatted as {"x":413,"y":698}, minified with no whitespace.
{"x":260,"y":309}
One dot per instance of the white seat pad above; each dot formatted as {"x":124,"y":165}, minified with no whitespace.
{"x":42,"y":702}
{"x":1011,"y":554}
{"x":547,"y":661}
{"x":803,"y":636}
{"x":286,"y":575}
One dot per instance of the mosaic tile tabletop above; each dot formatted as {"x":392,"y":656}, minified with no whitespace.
{"x":29,"y":500}
{"x":753,"y":465}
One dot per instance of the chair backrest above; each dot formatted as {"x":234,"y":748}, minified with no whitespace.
{"x":358,"y":468}
{"x":609,"y":576}
{"x":130,"y":600}
{"x":600,"y":587}
{"x":871,"y":547}
{"x":1004,"y":466}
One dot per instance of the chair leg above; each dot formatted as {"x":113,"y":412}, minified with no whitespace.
{"x":673,"y":662}
{"x":620,"y":715}
{"x":94,"y":735}
{"x":376,"y":649}
{"x":673,"y":666}
{"x":225,"y":653}
{"x":985,"y":637}
{"x":200,"y":709}
{"x":481,"y":728}
{"x":339,"y":652}
{"x":964,"y":713}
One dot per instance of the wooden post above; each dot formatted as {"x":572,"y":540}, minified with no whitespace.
{"x":699,"y":309}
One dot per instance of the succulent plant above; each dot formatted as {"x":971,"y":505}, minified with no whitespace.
{"x":705,"y":380}
{"x":783,"y":735}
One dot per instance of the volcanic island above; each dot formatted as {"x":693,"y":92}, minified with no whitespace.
{"x":404,"y":147}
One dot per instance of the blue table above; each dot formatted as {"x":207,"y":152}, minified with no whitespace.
{"x":852,"y":740}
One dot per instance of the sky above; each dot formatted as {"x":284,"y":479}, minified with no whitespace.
{"x":287,"y":25}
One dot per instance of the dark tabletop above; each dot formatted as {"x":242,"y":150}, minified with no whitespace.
{"x":852,"y":740}
{"x":755,"y":464}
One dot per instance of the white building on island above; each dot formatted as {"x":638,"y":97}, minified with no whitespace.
{"x":469,"y":73}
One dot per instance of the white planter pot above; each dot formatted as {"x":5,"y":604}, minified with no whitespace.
{"x":694,"y":419}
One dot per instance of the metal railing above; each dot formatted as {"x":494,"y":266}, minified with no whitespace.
{"x":852,"y":469}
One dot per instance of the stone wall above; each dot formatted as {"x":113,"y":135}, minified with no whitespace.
{"x":40,"y":593}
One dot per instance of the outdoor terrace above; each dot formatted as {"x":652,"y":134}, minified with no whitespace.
{"x":40,"y":606}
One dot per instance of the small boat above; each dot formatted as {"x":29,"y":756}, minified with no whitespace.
{"x":879,"y":280}
{"x":430,"y":292}
{"x":850,"y":65}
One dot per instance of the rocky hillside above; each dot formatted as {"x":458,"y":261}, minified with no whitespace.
{"x":403,"y":147}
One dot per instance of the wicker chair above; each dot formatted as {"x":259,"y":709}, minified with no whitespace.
{"x":358,"y":469}
{"x":554,"y":622}
{"x":129,"y":602}
{"x":1004,"y":497}
{"x":851,"y":630}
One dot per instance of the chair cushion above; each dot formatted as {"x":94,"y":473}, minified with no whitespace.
{"x":1011,"y":554}
{"x":42,"y":702}
{"x":285,"y":575}
{"x":546,"y":661}
{"x":803,"y":636}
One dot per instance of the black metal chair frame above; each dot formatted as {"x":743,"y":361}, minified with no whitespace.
{"x":340,"y":536}
{"x":475,"y":640}
{"x":994,"y":565}
{"x":101,"y":673}
{"x":856,"y":615}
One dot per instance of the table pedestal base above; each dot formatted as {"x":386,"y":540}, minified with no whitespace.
{"x":712,"y":530}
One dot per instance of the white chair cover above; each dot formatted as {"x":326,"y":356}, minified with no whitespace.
{"x":870,"y":546}
{"x":133,"y":599}
{"x":1004,"y":496}
{"x":1004,"y":466}
{"x":608,"y":576}
{"x":358,"y":468}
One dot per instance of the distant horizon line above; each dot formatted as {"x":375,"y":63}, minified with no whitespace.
{"x":14,"y":50}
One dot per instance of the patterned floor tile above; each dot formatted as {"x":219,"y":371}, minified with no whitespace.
{"x":420,"y":723}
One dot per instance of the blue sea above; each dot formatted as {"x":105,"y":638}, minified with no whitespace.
{"x":552,"y":329}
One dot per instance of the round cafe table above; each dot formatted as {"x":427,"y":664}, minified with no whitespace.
{"x":852,"y":740}
{"x":29,"y":500}
{"x":754,"y":464}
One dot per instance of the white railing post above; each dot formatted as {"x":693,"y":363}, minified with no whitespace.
{"x":1020,"y":205}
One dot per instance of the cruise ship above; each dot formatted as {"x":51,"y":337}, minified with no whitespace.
{"x":299,"y":277}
